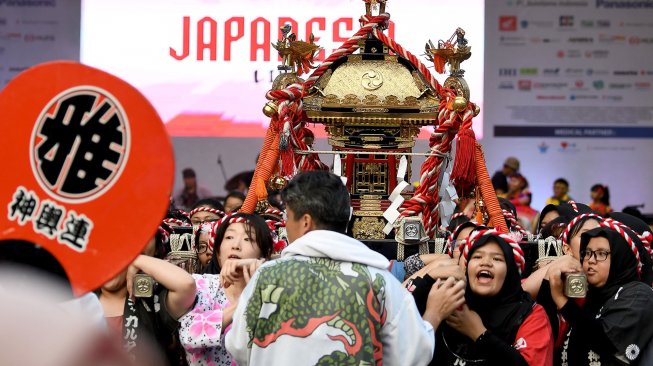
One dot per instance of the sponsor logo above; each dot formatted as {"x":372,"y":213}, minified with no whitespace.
{"x":636,"y":24}
{"x":551,"y":72}
{"x":543,"y":147}
{"x":17,"y":69}
{"x":625,"y":73}
{"x":646,"y":72}
{"x":29,"y":37}
{"x":525,"y":85}
{"x":586,"y":23}
{"x":536,"y":23}
{"x":571,"y":72}
{"x":613,"y":98}
{"x":39,"y":22}
{"x":568,"y":147}
{"x":512,"y":41}
{"x":11,"y":36}
{"x":603,"y":23}
{"x":620,"y":86}
{"x":612,"y":38}
{"x":508,"y":23}
{"x":574,"y":3}
{"x":579,"y":85}
{"x":635,"y":40}
{"x":643,"y":85}
{"x":551,"y":97}
{"x":593,"y":72}
{"x":600,"y":54}
{"x":580,"y":40}
{"x":528,"y":71}
{"x":569,"y":54}
{"x":549,"y":3}
{"x":29,"y":3}
{"x":548,"y":86}
{"x":583,"y":97}
{"x":538,"y":40}
{"x":507,"y":72}
{"x":598,"y":84}
{"x":624,"y":4}
{"x":566,"y":21}
{"x":507,"y":85}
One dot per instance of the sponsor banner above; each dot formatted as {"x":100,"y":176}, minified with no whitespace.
{"x":588,"y":95}
{"x":36,"y":31}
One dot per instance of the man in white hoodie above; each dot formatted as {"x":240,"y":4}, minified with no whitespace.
{"x":329,"y":299}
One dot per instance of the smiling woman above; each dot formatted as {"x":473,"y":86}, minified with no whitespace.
{"x":500,"y":323}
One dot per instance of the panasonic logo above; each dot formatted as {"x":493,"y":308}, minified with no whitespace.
{"x":624,"y":4}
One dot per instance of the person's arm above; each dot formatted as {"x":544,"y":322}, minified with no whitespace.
{"x":495,"y":349}
{"x":406,"y":338}
{"x":237,"y":339}
{"x":440,"y":268}
{"x":179,"y":283}
{"x":582,"y":323}
{"x":202,"y":327}
{"x":469,"y":323}
{"x":533,"y":282}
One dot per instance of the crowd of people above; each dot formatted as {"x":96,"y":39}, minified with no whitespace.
{"x":511,"y":184}
{"x":291,"y":286}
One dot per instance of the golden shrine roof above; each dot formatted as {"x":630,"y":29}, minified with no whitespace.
{"x":383,"y":89}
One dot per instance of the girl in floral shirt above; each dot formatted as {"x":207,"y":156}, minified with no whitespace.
{"x":243,"y":240}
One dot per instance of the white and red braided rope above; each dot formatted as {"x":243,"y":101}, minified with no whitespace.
{"x":644,"y":238}
{"x":517,"y":252}
{"x":565,"y":234}
{"x":206,"y":209}
{"x":611,"y":224}
{"x":514,"y":223}
{"x":573,"y":205}
{"x":177,"y":222}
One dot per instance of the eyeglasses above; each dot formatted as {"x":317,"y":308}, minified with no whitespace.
{"x":200,"y":222}
{"x":599,"y":255}
{"x":202,"y":248}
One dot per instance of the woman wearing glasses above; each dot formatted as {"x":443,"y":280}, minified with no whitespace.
{"x":615,"y":324}
{"x":204,"y":237}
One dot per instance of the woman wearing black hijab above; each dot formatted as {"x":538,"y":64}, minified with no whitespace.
{"x":615,"y":325}
{"x":499,"y":324}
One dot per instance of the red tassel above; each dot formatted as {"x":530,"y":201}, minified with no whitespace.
{"x":464,"y":167}
{"x":287,"y":162}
